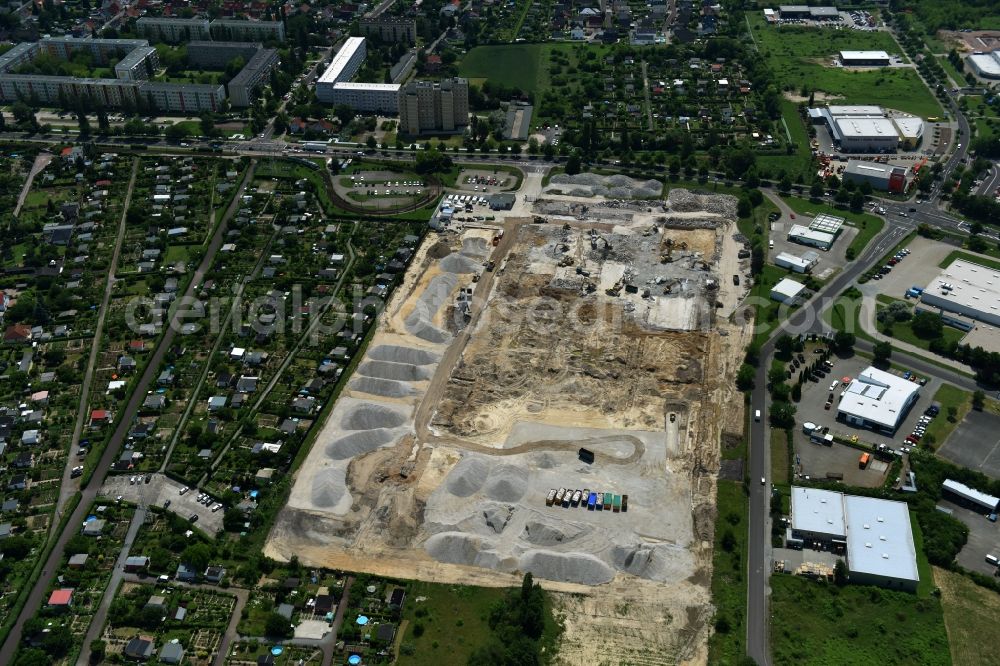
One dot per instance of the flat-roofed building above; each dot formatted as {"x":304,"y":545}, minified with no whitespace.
{"x":243,"y":86}
{"x":787,"y":291}
{"x":970,"y":496}
{"x":367,"y":97}
{"x":830,"y":224}
{"x":806,"y":236}
{"x":241,"y":30}
{"x":968,"y":289}
{"x":865,"y":135}
{"x":986,"y":65}
{"x":173,"y":30}
{"x":911,"y":131}
{"x":798,"y":264}
{"x":184,"y":97}
{"x":139,"y":65}
{"x":793,"y":11}
{"x":877,"y":400}
{"x":426,"y":106}
{"x":343,"y":67}
{"x":865,"y":59}
{"x":883,"y":177}
{"x":391,"y":29}
{"x":207,"y":54}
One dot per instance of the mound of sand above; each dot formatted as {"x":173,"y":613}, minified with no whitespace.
{"x":328,"y":486}
{"x":455,"y":548}
{"x":568,"y":567}
{"x":358,"y":443}
{"x":544,"y":533}
{"x":419,"y":323}
{"x":460,"y":264}
{"x":386,"y":388}
{"x":497,"y":517}
{"x":477,"y":247}
{"x":370,"y":415}
{"x":401,"y":372}
{"x":506,"y":483}
{"x":467,"y":477}
{"x":401,"y":354}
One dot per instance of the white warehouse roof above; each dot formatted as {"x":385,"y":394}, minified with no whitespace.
{"x":826,"y":223}
{"x":818,"y":511}
{"x":869,"y":169}
{"x":856,"y":111}
{"x":909,"y":126}
{"x":788,"y":288}
{"x":970,"y":494}
{"x":854,"y":126}
{"x":788,"y":260}
{"x":333,"y":72}
{"x":967,"y":285}
{"x":864,"y":55}
{"x":877,"y":397}
{"x":799,"y":231}
{"x":987,"y":63}
{"x":879,"y":538}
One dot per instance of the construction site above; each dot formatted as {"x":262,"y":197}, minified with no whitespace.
{"x":575,"y":324}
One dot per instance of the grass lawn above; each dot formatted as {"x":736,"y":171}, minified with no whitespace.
{"x":523,"y":66}
{"x":176,"y":253}
{"x":802,"y":58}
{"x":950,"y":70}
{"x":779,"y":456}
{"x":455,"y":621}
{"x":799,"y":165}
{"x":958,"y":254}
{"x":819,"y":623}
{"x":970,"y":613}
{"x":940,"y":428}
{"x":901,"y":330}
{"x":729,"y":587}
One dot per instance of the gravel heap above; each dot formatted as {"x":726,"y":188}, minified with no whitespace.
{"x":401,"y":372}
{"x":385,"y":388}
{"x":686,"y":201}
{"x":569,"y":567}
{"x":358,"y":443}
{"x":468,"y":476}
{"x":400,"y":354}
{"x":328,"y":487}
{"x":618,"y":186}
{"x":419,"y":323}
{"x":368,"y":416}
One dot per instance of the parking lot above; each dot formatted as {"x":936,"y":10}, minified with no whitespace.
{"x":984,"y":539}
{"x":160,"y":489}
{"x":484,"y":181}
{"x":817,"y":460}
{"x":915,"y":270}
{"x":829,"y":262}
{"x":976,"y":444}
{"x":815,"y":395}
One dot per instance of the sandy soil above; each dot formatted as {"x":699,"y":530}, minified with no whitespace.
{"x":436,"y":462}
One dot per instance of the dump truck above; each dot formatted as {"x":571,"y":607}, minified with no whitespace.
{"x":551,"y":497}
{"x":608,"y":501}
{"x":617,"y":506}
{"x":559,"y":495}
{"x":624,"y":502}
{"x":600,"y":502}
{"x":592,"y":501}
{"x":586,"y":455}
{"x":576,"y":498}
{"x":585,"y":497}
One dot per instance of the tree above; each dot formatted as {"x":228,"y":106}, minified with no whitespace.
{"x":743,"y":207}
{"x":840,"y":573}
{"x":573,"y":164}
{"x":532,"y":146}
{"x":782,"y":414}
{"x":784,"y":345}
{"x":196,"y":556}
{"x":857,"y":201}
{"x":432,"y":161}
{"x":927,"y":325}
{"x":843,"y":341}
{"x":978,"y":400}
{"x":277,"y":626}
{"x":816,"y":190}
{"x":84,"y":124}
{"x":745,"y":377}
{"x":786,"y":184}
{"x":882,"y":352}
{"x":176,"y":132}
{"x":757,"y":258}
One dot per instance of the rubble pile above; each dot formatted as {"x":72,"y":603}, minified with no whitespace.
{"x":686,"y":201}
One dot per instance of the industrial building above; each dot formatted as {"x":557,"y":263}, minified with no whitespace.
{"x":390,"y":29}
{"x":131,"y":86}
{"x":787,"y":291}
{"x":968,"y":289}
{"x":806,"y":12}
{"x":874,"y":535}
{"x":813,"y":238}
{"x":426,"y":106}
{"x":970,"y":497}
{"x":986,"y":65}
{"x":827,"y":224}
{"x":343,"y":67}
{"x":366,"y":97}
{"x":877,"y":400}
{"x":882,"y":177}
{"x":795,"y":263}
{"x":865,"y":59}
{"x":173,"y":30}
{"x":867,"y":129}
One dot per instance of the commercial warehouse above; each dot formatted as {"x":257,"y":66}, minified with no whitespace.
{"x":874,"y":534}
{"x":882,"y":177}
{"x":802,"y":264}
{"x":867,"y":129}
{"x":986,"y":65}
{"x":970,"y":496}
{"x":967,"y":289}
{"x":865,"y":59}
{"x":877,"y":400}
{"x":806,"y":236}
{"x":787,"y":291}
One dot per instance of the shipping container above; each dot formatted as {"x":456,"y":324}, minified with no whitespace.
{"x":864,"y":460}
{"x":592,"y":501}
{"x":617,"y":503}
{"x":551,"y":497}
{"x":608,"y":501}
{"x":624,"y":502}
{"x":586,"y":455}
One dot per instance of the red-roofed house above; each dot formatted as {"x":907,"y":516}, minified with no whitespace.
{"x":99,"y":417}
{"x":61,"y":598}
{"x":433,"y":62}
{"x":17,"y":333}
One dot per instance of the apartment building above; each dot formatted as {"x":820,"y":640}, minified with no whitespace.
{"x":216,"y":55}
{"x":367,"y":97}
{"x":343,"y":67}
{"x":426,"y":106}
{"x":139,"y":65}
{"x":173,"y":30}
{"x":235,"y":30}
{"x":392,"y":29}
{"x":254,"y":75}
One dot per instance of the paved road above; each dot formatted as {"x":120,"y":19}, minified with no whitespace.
{"x":128,"y":413}
{"x":69,"y":486}
{"x":117,"y":574}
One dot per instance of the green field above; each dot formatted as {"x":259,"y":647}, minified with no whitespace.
{"x":801,"y":58}
{"x":729,"y":588}
{"x":819,"y":623}
{"x":523,"y":66}
{"x":969,"y":614}
{"x":940,"y":428}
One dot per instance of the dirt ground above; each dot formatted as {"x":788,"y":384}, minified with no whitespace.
{"x":436,"y":461}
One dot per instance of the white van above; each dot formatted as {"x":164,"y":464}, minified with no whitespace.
{"x":756,"y":415}
{"x":992,"y":559}
{"x":834,"y":385}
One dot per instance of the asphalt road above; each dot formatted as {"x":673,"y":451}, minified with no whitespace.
{"x":89,"y":493}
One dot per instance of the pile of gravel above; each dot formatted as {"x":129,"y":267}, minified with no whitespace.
{"x":370,"y":415}
{"x":496,"y":517}
{"x":476,"y":247}
{"x":385,"y":388}
{"x":618,"y":186}
{"x":460,"y":264}
{"x":358,"y":443}
{"x":468,"y":476}
{"x":401,"y":354}
{"x":580,"y":568}
{"x":328,"y":487}
{"x":455,"y":548}
{"x":686,"y":201}
{"x":543,"y":533}
{"x":401,"y":372}
{"x":433,"y":298}
{"x":506,"y":483}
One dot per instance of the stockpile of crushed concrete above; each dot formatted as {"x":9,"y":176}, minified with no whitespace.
{"x":490,"y":512}
{"x":686,"y":201}
{"x":618,"y":186}
{"x":389,"y":370}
